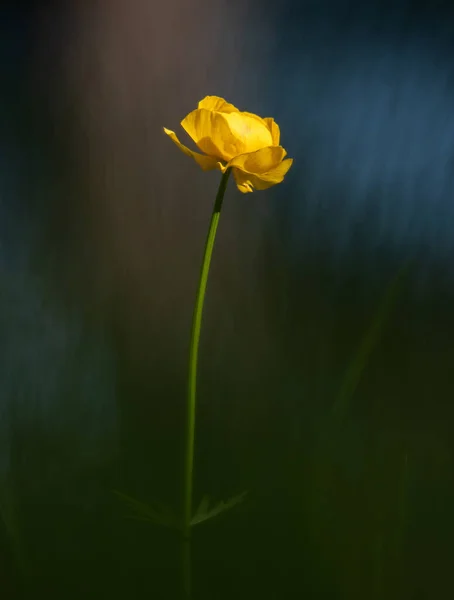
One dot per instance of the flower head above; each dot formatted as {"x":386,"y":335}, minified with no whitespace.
{"x":240,"y":140}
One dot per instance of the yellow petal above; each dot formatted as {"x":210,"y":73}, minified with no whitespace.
{"x":246,"y":134}
{"x":247,"y":181}
{"x":207,"y":163}
{"x":270,"y":124}
{"x":274,"y":130}
{"x":256,"y":117}
{"x":260,"y":161}
{"x":242,"y":181}
{"x":214,"y":103}
{"x":209,"y":131}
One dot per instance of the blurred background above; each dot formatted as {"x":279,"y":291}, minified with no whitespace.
{"x":326,"y":370}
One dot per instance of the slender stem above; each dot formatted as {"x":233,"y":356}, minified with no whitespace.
{"x":192,"y":382}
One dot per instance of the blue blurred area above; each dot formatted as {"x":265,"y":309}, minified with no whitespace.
{"x":365,"y":93}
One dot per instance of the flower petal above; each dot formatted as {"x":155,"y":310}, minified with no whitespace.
{"x":208,"y":163}
{"x":274,"y":130}
{"x":209,"y":131}
{"x":246,"y":133}
{"x":260,"y":161}
{"x":256,"y":117}
{"x":214,"y":103}
{"x":247,"y":181}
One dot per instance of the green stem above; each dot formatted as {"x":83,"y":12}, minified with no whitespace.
{"x":192,"y":382}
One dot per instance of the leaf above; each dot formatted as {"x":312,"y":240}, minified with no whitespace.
{"x":203,"y":514}
{"x":402,"y":507}
{"x":328,"y":437}
{"x":156,"y":513}
{"x":6,"y":517}
{"x":203,"y":506}
{"x":368,"y":344}
{"x":9,"y":518}
{"x":8,"y":513}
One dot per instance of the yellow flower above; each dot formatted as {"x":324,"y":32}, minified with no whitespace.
{"x":241,"y":140}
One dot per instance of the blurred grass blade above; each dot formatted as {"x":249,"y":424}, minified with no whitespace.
{"x":204,"y":513}
{"x":8,"y":516}
{"x":156,"y":512}
{"x":378,"y":567}
{"x":402,"y":508}
{"x":323,"y":476}
{"x":368,"y":344}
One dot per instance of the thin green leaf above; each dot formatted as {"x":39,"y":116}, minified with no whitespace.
{"x":329,"y":435}
{"x":8,"y":513}
{"x":402,"y":507}
{"x":366,"y":347}
{"x":203,"y":514}
{"x":203,"y":507}
{"x":156,"y":513}
{"x":9,"y":517}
